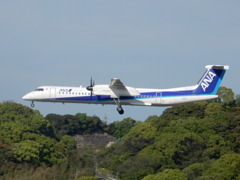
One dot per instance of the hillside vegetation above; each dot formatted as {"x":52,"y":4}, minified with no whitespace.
{"x":191,"y":141}
{"x":34,"y":147}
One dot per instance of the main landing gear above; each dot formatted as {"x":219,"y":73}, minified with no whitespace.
{"x":119,"y":108}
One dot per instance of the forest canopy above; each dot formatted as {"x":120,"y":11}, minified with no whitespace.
{"x":190,"y":141}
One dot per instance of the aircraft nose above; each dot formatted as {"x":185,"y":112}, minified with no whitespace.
{"x":26,"y":97}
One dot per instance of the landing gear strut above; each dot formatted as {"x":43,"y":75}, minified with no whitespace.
{"x":32,"y":105}
{"x":119,"y":108}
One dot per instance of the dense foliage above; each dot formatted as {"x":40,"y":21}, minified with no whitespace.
{"x":75,"y":124}
{"x":119,"y":128}
{"x":30,"y":149}
{"x":28,"y":135}
{"x":82,"y":124}
{"x":190,"y":141}
{"x":35,"y":147}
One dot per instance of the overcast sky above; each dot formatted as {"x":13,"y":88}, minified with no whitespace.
{"x":148,"y":44}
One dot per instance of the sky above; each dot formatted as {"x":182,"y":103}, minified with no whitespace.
{"x":147,"y":44}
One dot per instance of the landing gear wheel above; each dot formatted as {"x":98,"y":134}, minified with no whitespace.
{"x":120,"y":110}
{"x":32,"y":105}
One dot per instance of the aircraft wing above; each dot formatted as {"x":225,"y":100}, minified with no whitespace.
{"x":115,"y":89}
{"x":119,"y":89}
{"x":116,"y":84}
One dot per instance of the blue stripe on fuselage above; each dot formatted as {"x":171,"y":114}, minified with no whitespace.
{"x":145,"y":95}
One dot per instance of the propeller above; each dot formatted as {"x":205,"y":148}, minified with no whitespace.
{"x":90,"y":88}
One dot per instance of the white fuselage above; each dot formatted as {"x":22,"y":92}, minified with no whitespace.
{"x":117,"y":93}
{"x":146,"y":97}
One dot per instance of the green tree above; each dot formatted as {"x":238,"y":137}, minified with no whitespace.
{"x":29,"y":135}
{"x":142,"y":164}
{"x":213,"y":109}
{"x":181,"y":137}
{"x":140,"y":136}
{"x":78,"y":124}
{"x":68,"y":142}
{"x":28,"y":151}
{"x":6,"y":158}
{"x":194,"y":171}
{"x":168,"y":174}
{"x":16,"y":119}
{"x":185,"y":110}
{"x":227,"y":167}
{"x":237,"y":99}
{"x":225,"y":95}
{"x":119,"y":128}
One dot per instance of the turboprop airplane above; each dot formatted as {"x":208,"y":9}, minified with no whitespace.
{"x":117,"y":93}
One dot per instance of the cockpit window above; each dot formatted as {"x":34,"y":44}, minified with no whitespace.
{"x":39,"y":89}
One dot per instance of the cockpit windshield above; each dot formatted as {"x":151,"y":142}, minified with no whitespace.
{"x":39,"y":89}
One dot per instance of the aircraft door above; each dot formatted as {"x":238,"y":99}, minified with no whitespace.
{"x":158,"y":97}
{"x":52,"y":93}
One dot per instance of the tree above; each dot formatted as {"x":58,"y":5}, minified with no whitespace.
{"x":225,"y":95}
{"x":185,"y":111}
{"x":30,"y":136}
{"x":6,"y":158}
{"x":167,"y":174}
{"x":119,"y":128}
{"x":27,"y":151}
{"x":16,"y":120}
{"x":78,"y":124}
{"x":213,"y":109}
{"x":140,"y":136}
{"x":194,"y":171}
{"x":68,"y":142}
{"x":227,"y":167}
{"x":194,"y":134}
{"x":237,"y":99}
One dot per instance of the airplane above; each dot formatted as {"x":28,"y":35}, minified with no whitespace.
{"x":116,"y":93}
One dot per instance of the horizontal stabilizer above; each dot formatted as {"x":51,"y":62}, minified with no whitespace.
{"x":220,"y":67}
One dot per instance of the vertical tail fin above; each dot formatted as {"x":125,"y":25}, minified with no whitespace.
{"x":211,"y":80}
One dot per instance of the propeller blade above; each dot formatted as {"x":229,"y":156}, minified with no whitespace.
{"x":90,"y":88}
{"x":91,"y":82}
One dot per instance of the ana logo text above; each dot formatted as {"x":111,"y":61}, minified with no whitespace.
{"x":208,"y":79}
{"x":65,"y":90}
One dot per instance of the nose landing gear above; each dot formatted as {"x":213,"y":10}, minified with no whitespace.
{"x":32,"y":105}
